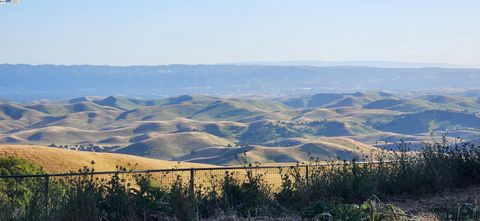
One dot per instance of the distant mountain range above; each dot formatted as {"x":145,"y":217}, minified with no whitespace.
{"x":376,"y":64}
{"x":33,"y":82}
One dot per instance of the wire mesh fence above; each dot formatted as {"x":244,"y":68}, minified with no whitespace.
{"x":49,"y":191}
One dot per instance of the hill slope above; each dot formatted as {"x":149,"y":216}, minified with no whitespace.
{"x":431,"y":121}
{"x":166,"y":146}
{"x":60,"y":160}
{"x":301,"y":151}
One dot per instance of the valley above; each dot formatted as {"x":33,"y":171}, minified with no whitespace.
{"x":216,"y":130}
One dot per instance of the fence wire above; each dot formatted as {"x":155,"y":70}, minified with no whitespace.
{"x":50,"y":190}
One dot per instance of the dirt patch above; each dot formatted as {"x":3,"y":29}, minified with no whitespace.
{"x":447,"y":205}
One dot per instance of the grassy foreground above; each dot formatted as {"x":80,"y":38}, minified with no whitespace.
{"x":349,"y":191}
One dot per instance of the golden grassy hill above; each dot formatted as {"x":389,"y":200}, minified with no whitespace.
{"x":61,"y":160}
{"x":166,"y":146}
{"x":323,"y":149}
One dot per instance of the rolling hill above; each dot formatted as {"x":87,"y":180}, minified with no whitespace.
{"x":431,"y":121}
{"x":403,"y":105}
{"x":167,"y":146}
{"x":55,"y":160}
{"x":332,"y":100}
{"x":271,"y":128}
{"x":304,"y":151}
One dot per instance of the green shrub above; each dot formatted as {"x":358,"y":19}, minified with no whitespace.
{"x":123,"y":196}
{"x":20,"y":198}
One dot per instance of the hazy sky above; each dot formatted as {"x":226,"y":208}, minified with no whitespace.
{"x":207,"y":31}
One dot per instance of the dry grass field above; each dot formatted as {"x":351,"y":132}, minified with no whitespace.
{"x":56,"y":160}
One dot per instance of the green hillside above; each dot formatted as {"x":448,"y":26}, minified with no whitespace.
{"x":430,"y":121}
{"x":332,"y":100}
{"x":121,"y":103}
{"x":403,"y":105}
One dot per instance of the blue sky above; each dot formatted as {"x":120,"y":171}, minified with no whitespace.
{"x":222,"y":31}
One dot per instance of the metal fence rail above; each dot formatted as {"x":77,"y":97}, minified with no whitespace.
{"x":228,"y":168}
{"x":167,"y":176}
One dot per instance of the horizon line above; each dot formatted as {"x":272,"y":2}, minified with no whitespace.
{"x":297,"y":63}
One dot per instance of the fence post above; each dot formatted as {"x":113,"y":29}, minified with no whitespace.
{"x":45,"y":199}
{"x":191,"y":189}
{"x":191,"y":193}
{"x":355,"y":177}
{"x":307,"y":178}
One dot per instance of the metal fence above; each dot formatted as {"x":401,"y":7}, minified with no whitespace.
{"x":43,"y":186}
{"x":40,"y":185}
{"x":165,"y":177}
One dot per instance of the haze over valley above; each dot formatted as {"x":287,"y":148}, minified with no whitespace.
{"x":35,"y":82}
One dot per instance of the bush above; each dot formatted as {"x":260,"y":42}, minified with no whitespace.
{"x":124,"y":196}
{"x":19,"y":198}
